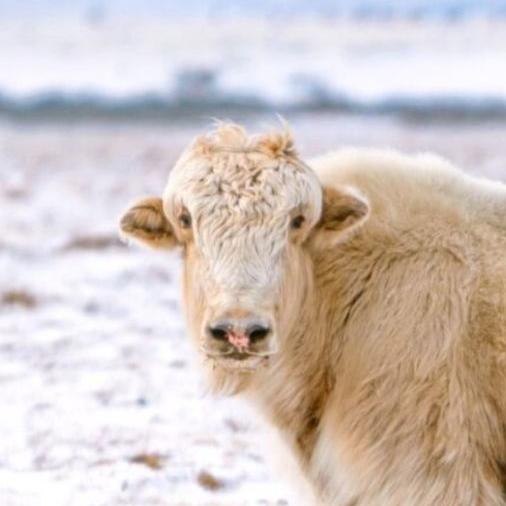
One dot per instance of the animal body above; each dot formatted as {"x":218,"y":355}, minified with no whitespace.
{"x":358,"y":300}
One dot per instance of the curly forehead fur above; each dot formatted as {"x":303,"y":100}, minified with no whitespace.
{"x":230,"y":137}
{"x":229,"y":170}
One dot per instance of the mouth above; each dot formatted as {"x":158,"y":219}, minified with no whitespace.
{"x":237,"y":355}
{"x":238,"y":360}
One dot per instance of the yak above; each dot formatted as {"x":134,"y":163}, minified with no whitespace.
{"x":358,"y":300}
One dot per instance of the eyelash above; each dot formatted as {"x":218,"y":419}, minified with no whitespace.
{"x":185,"y":220}
{"x":297,"y":222}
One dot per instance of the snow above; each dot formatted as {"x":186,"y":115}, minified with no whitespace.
{"x":96,"y":371}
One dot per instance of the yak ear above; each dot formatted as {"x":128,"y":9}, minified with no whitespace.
{"x":145,"y":222}
{"x":343,"y":210}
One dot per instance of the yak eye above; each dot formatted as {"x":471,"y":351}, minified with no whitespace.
{"x":297,"y":221}
{"x":185,"y":220}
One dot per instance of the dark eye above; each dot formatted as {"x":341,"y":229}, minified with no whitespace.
{"x":185,"y":220}
{"x":297,"y":221}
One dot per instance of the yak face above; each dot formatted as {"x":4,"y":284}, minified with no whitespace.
{"x":243,"y":210}
{"x":242,"y":217}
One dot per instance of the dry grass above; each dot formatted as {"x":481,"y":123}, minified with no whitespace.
{"x":209,"y":482}
{"x":151,"y":460}
{"x":19,"y":298}
{"x":93,"y":242}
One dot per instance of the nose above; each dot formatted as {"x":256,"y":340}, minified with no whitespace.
{"x":240,"y":333}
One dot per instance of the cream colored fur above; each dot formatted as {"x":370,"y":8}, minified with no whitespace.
{"x":389,"y":381}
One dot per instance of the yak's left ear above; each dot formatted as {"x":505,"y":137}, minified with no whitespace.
{"x":145,"y":222}
{"x":343,"y":210}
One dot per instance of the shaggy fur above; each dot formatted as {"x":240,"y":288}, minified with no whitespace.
{"x":386,"y":375}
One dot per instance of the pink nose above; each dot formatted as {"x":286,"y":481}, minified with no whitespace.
{"x":239,"y":340}
{"x":241,"y":335}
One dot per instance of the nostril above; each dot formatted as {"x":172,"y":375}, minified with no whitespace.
{"x":257,"y":333}
{"x":219,"y":332}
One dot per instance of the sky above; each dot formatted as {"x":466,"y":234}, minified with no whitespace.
{"x":382,"y":8}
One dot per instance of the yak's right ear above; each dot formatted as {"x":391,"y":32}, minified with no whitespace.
{"x":146,"y":223}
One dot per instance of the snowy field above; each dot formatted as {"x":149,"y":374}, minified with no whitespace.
{"x":269,"y":62}
{"x":101,"y":401}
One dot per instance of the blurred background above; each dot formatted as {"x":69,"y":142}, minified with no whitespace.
{"x":101,"y":403}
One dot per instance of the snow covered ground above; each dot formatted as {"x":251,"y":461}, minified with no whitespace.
{"x":100,"y":401}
